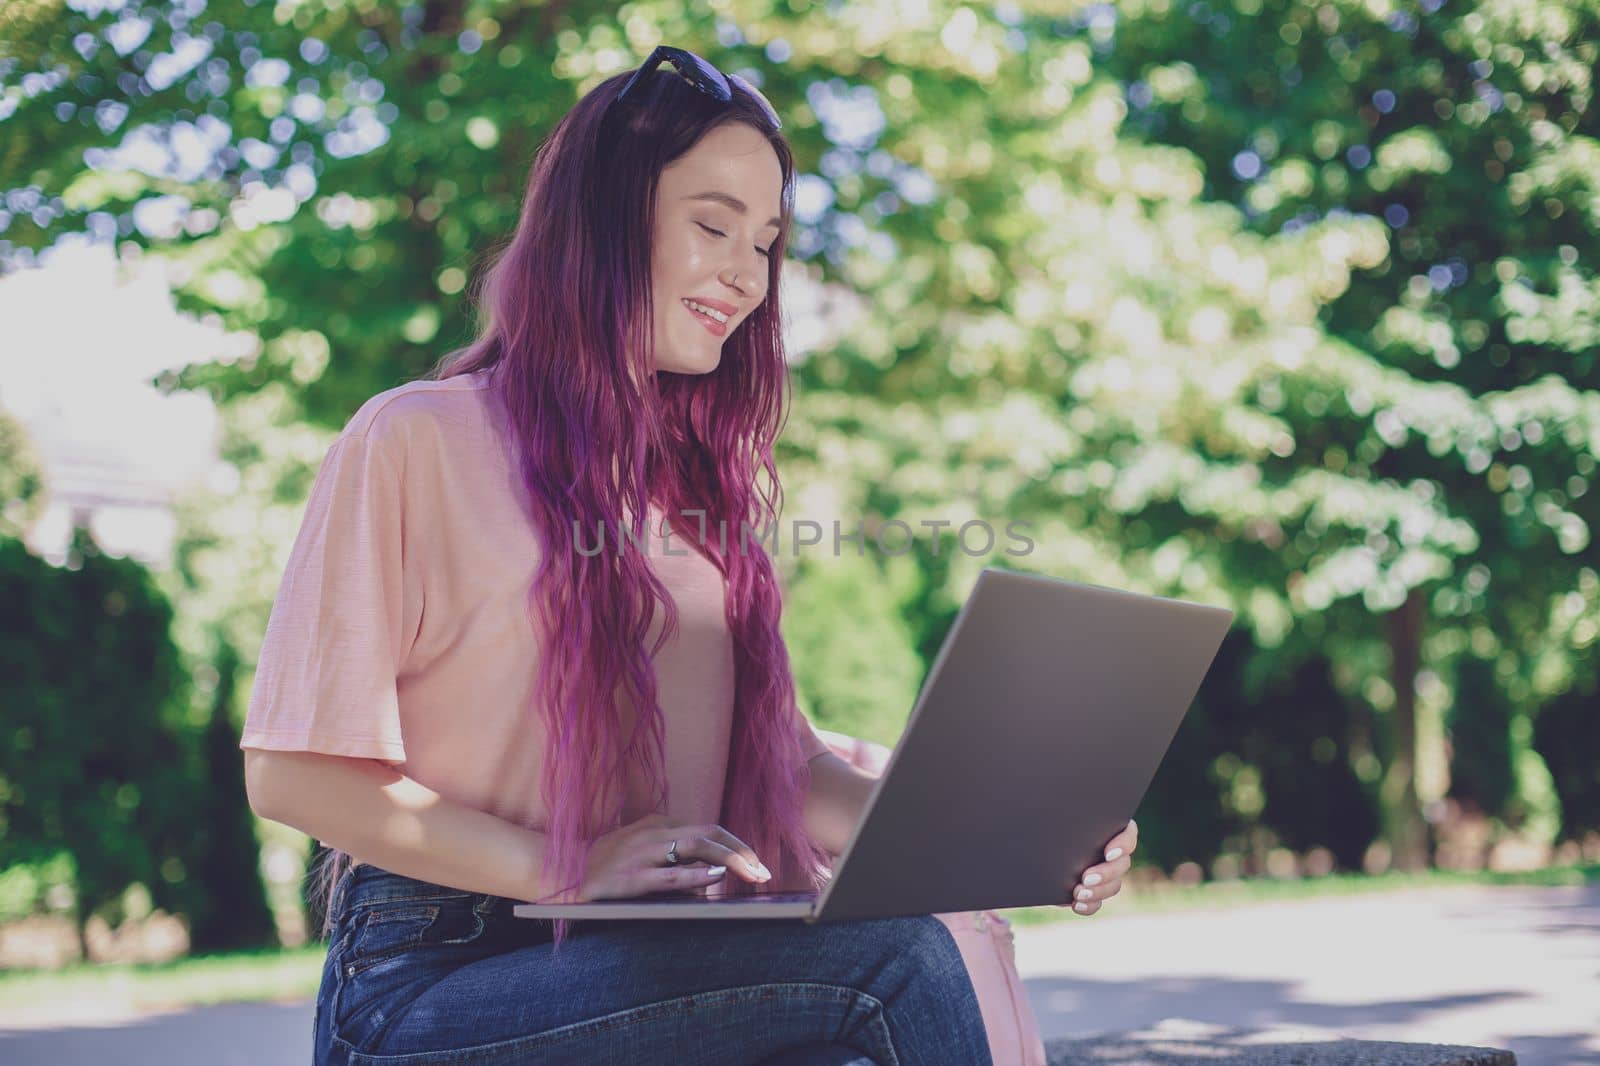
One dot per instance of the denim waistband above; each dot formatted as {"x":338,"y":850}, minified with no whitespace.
{"x":367,"y":885}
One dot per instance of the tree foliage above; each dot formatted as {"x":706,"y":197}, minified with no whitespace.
{"x":1288,"y":306}
{"x":100,"y":765}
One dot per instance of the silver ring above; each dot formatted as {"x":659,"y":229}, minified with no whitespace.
{"x":672,"y":854}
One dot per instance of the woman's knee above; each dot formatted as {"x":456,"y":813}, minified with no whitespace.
{"x":928,"y":1000}
{"x":819,"y":1055}
{"x":914,"y":957}
{"x":933,"y":950}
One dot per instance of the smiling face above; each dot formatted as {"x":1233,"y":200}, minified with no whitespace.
{"x":716,"y":207}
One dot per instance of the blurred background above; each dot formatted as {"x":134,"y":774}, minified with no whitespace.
{"x":1287,"y":306}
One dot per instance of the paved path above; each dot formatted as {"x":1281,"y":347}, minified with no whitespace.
{"x":1516,"y":968}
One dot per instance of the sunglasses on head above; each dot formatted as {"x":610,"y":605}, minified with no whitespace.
{"x":702,"y":75}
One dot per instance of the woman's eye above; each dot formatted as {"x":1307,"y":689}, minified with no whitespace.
{"x":764,"y":251}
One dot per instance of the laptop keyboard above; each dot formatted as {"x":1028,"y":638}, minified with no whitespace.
{"x":699,"y":896}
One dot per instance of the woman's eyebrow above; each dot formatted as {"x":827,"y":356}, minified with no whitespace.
{"x":730,"y":201}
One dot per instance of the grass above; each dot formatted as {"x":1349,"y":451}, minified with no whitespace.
{"x":1161,"y":898}
{"x":293,"y":974}
{"x":246,"y":976}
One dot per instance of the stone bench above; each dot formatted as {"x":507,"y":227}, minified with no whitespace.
{"x":1178,"y":1042}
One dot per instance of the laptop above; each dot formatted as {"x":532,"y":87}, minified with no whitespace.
{"x":1031,"y":743}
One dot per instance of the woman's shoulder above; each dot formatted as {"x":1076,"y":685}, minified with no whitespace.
{"x":395,"y":419}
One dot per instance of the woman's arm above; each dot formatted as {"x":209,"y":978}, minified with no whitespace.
{"x":383,"y":817}
{"x":836,"y":800}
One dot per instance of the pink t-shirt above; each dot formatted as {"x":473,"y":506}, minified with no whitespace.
{"x":400,"y":631}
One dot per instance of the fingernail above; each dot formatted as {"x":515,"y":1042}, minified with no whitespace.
{"x":1113,"y":854}
{"x":762,"y":871}
{"x":1084,"y":893}
{"x":1081,"y":908}
{"x":716,"y":871}
{"x":1092,"y":879}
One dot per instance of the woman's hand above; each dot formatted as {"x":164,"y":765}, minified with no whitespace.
{"x":631,"y":860}
{"x":1104,"y":881}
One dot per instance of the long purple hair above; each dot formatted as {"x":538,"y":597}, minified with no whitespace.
{"x":565,"y":331}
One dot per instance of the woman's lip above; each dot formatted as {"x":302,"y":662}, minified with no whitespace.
{"x":715,"y":305}
{"x":709,"y":323}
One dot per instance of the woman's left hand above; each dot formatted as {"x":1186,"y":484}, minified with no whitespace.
{"x":1102,"y":882}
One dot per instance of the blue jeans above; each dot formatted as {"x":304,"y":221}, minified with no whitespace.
{"x":422,"y":974}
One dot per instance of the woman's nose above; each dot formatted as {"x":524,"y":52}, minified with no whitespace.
{"x":748,"y":275}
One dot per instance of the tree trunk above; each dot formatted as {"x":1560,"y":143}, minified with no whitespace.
{"x":1404,"y":829}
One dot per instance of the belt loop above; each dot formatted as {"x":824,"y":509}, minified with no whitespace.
{"x":340,"y":891}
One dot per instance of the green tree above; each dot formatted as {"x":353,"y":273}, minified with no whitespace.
{"x":99,"y":763}
{"x":1075,"y":313}
{"x":230,"y":909}
{"x":1470,"y":130}
{"x":22,"y":484}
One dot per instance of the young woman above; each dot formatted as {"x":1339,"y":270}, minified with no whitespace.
{"x":471,"y":705}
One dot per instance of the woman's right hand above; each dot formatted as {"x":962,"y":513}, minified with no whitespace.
{"x":631,"y":860}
